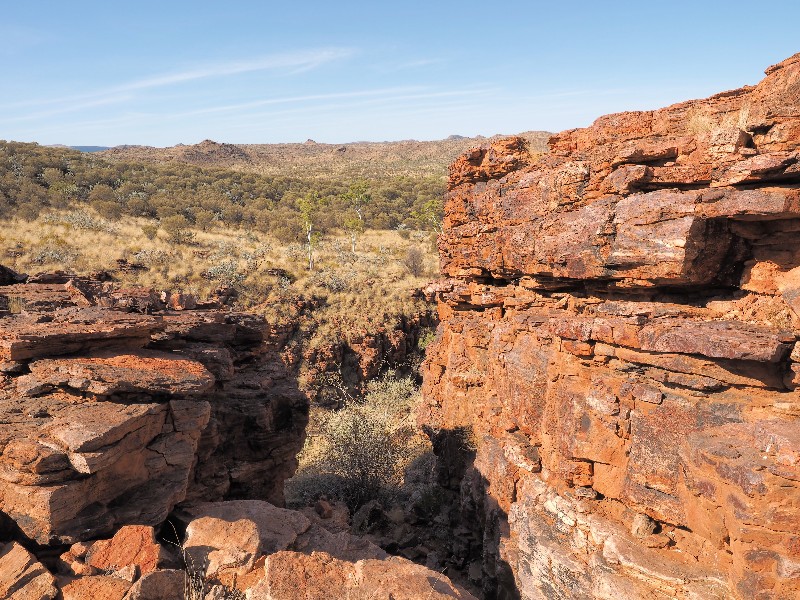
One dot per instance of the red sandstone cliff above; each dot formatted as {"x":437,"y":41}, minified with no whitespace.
{"x":619,"y":333}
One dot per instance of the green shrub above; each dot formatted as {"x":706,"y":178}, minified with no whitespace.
{"x":226,"y":273}
{"x":177,"y":228}
{"x":361,"y":452}
{"x":150,"y":231}
{"x":426,"y":338}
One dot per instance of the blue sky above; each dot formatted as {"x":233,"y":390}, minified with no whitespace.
{"x":161,"y":73}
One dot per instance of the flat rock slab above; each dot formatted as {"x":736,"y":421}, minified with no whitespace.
{"x":232,"y":535}
{"x":319,"y":576}
{"x":94,"y":587}
{"x":141,"y":371}
{"x":717,"y":339}
{"x":71,"y":330}
{"x":133,"y":545}
{"x":62,"y":436}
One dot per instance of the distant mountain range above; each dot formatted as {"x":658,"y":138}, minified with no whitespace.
{"x":310,"y":159}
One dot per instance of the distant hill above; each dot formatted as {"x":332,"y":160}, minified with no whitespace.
{"x":370,"y":160}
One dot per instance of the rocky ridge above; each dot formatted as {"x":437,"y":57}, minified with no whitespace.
{"x":619,"y":334}
{"x":113,"y":414}
{"x":351,"y":160}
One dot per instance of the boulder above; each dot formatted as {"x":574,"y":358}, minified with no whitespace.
{"x":144,"y":372}
{"x":318,"y":576}
{"x":233,"y":535}
{"x":164,"y":584}
{"x":94,"y":587}
{"x":22,"y":577}
{"x":132,"y":545}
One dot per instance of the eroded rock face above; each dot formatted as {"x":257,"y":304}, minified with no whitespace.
{"x":114,"y":411}
{"x":620,"y":326}
{"x":117,"y":409}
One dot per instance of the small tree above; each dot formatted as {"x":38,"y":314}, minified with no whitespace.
{"x":356,"y":198}
{"x":310,"y":206}
{"x":204,"y":219}
{"x":353,"y":226}
{"x":362,"y":451}
{"x":177,"y":227}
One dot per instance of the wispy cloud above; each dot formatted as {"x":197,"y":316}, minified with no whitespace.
{"x":392,"y":91}
{"x":418,"y":64}
{"x":43,"y":114}
{"x":291,"y":62}
{"x":384,"y":97}
{"x":295,"y":62}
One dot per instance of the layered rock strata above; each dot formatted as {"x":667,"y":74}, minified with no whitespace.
{"x":619,"y":334}
{"x":110,"y":415}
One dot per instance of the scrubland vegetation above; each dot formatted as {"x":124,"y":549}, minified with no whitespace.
{"x":35,"y":179}
{"x":354,"y":250}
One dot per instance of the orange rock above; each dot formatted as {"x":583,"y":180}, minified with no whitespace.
{"x":318,"y":576}
{"x":97,"y":433}
{"x":232,"y":535}
{"x":132,"y":545}
{"x":164,"y":584}
{"x":93,"y":587}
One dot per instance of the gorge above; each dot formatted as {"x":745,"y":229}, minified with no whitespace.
{"x":613,"y":394}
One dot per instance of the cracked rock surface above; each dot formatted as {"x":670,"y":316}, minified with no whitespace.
{"x":619,"y":334}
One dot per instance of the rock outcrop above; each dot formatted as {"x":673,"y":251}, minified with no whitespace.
{"x":244,"y":548}
{"x":110,"y":416}
{"x":619,"y":334}
{"x":22,"y":576}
